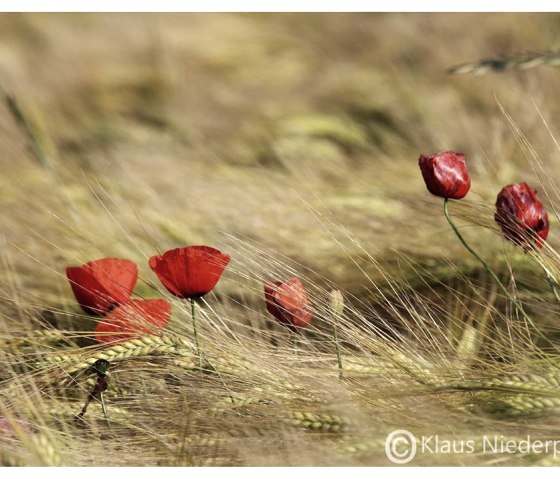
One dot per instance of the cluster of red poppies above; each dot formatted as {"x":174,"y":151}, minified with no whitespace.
{"x":104,"y":288}
{"x":519,"y":213}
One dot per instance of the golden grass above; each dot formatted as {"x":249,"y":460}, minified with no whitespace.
{"x":291,"y":143}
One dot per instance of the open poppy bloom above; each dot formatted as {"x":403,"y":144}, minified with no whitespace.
{"x":133,"y":319}
{"x":446,"y":174}
{"x":522,"y":216}
{"x":190,"y":272}
{"x":288,"y":302}
{"x":100,"y":285}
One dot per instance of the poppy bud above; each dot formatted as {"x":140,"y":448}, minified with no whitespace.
{"x":133,"y":319}
{"x":99,"y":285}
{"x":190,"y":272}
{"x":521,"y":216}
{"x":288,"y":302}
{"x":446,"y":174}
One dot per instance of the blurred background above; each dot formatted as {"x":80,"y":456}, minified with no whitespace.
{"x":297,"y":134}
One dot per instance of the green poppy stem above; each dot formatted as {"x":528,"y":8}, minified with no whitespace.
{"x":337,"y":349}
{"x":486,"y":267}
{"x":551,"y":283}
{"x":337,"y":308}
{"x":193,"y":313}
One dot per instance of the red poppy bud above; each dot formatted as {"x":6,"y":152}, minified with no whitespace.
{"x":99,"y":285}
{"x":446,"y":174}
{"x":133,"y":319}
{"x":288,"y":302}
{"x":521,"y":216}
{"x":190,"y":272}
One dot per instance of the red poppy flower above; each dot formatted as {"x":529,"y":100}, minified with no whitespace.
{"x":99,"y":285}
{"x":190,"y":272}
{"x":288,"y":302}
{"x":522,"y":216}
{"x":133,"y":319}
{"x":446,"y":174}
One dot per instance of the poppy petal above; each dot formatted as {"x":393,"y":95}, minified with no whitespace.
{"x":521,"y":216}
{"x":445,"y":174}
{"x":99,"y":285}
{"x":288,"y":302}
{"x":133,"y":319}
{"x":291,"y":295}
{"x":190,"y":272}
{"x":270,"y":287}
{"x":161,"y":267}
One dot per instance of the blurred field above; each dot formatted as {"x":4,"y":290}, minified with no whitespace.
{"x":291,"y":142}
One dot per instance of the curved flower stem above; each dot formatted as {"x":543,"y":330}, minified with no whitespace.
{"x":551,"y":283}
{"x":554,"y":289}
{"x":486,"y":267}
{"x":193,"y":313}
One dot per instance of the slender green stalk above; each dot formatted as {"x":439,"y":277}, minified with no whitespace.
{"x":337,"y":307}
{"x":486,"y":266}
{"x":193,"y":313}
{"x":337,"y":348}
{"x":551,"y":283}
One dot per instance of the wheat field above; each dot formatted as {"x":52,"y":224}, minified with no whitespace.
{"x":291,"y":142}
